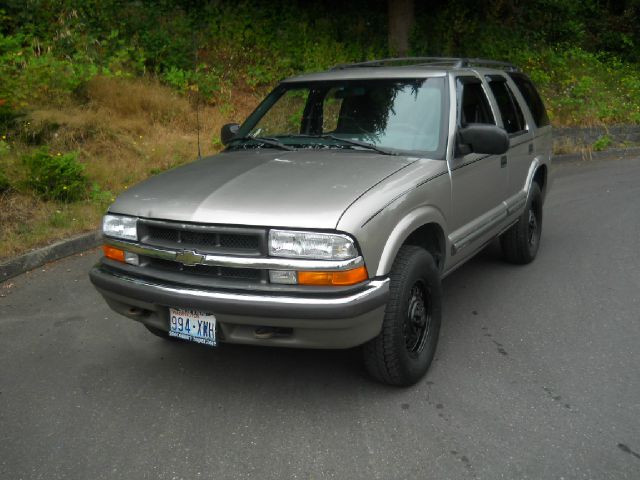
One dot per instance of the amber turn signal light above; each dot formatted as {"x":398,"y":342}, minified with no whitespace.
{"x":337,"y":278}
{"x":113,"y":253}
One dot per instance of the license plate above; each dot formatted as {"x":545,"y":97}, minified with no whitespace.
{"x":192,"y":325}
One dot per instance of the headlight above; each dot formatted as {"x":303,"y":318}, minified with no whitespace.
{"x":322,"y":246}
{"x":118,"y":226}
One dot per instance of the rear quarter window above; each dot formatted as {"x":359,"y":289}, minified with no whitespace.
{"x":532,"y":98}
{"x":512,"y":116}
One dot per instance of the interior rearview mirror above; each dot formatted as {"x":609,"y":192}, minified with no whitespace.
{"x":228,"y":131}
{"x":482,"y":138}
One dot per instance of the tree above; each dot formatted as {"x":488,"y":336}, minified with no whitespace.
{"x":401,"y":19}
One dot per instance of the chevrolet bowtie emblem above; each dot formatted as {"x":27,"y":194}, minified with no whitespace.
{"x":189,"y":257}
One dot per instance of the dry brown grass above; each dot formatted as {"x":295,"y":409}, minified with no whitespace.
{"x":124,"y":131}
{"x":27,"y":222}
{"x":129,"y":128}
{"x":14,"y":208}
{"x":141,"y":100}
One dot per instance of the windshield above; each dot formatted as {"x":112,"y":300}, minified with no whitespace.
{"x":389,"y":115}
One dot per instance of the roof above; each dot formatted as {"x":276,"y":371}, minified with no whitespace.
{"x":372,"y":72}
{"x":406,"y":67}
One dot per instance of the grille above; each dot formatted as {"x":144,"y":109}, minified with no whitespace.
{"x":227,"y":273}
{"x":209,"y":241}
{"x":162,"y":235}
{"x":203,"y":239}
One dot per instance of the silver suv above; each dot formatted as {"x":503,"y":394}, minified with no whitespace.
{"x":335,"y":211}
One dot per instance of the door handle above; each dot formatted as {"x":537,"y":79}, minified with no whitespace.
{"x":503,"y":161}
{"x":531,"y":148}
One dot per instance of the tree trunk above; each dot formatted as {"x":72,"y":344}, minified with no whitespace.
{"x":401,"y":17}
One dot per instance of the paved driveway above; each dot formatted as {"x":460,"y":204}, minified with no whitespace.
{"x":537,"y":374}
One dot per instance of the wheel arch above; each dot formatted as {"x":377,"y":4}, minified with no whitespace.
{"x":538,"y":173}
{"x":540,"y":177}
{"x":423,"y":227}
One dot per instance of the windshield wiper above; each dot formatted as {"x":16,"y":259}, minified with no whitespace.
{"x":358,"y":143}
{"x":349,"y":141}
{"x":272,"y":142}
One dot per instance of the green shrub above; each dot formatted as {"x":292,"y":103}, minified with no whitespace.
{"x":5,"y":185}
{"x":4,"y":182}
{"x":99,"y":196}
{"x":205,"y":80}
{"x":56,"y":177}
{"x":8,"y":116}
{"x":4,"y":147}
{"x":602,"y":143}
{"x":177,"y":78}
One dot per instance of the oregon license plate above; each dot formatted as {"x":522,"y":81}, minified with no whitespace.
{"x":192,"y":325}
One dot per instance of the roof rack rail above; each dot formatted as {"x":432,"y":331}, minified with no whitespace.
{"x":455,"y":62}
{"x":483,"y":62}
{"x":388,"y":61}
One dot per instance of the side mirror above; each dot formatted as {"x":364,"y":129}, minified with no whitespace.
{"x":481,"y":138}
{"x":228,"y":132}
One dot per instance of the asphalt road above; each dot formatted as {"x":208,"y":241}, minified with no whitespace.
{"x":536,"y":377}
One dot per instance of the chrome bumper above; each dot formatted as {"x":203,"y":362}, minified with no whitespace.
{"x":304,"y":306}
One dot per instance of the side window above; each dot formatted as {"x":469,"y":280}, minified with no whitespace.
{"x":510,"y":111}
{"x":531,"y":96}
{"x":474,"y":106}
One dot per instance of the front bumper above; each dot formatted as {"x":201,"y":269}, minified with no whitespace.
{"x":317,"y":321}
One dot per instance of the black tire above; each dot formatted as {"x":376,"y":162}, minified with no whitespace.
{"x":521,"y":242}
{"x":402,"y":353}
{"x":160,"y":333}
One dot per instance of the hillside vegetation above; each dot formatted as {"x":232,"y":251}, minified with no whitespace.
{"x":97,"y":95}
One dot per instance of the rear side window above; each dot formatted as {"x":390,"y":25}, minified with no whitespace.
{"x":474,"y":106}
{"x":531,"y":96}
{"x":510,"y":111}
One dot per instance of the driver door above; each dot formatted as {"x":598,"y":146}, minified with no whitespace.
{"x":479,"y":181}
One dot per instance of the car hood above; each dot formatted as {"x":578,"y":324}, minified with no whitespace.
{"x":261,"y":187}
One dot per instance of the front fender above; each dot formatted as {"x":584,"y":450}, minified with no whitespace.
{"x":406,"y":226}
{"x":383,"y":218}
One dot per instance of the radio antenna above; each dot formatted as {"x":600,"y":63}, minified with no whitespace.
{"x":195,"y":71}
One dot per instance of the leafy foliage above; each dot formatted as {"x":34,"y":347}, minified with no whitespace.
{"x":490,"y":28}
{"x":56,"y":177}
{"x":4,"y":148}
{"x":587,"y":73}
{"x":4,"y":183}
{"x":602,"y":143}
{"x":582,"y":53}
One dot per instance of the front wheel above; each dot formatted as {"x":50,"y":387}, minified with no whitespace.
{"x":402,"y":353}
{"x":521,"y":242}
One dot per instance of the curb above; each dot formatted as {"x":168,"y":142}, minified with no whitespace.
{"x":605,"y":154}
{"x":56,"y":251}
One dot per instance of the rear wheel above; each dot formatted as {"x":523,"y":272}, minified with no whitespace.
{"x":402,"y":353}
{"x":521,"y":242}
